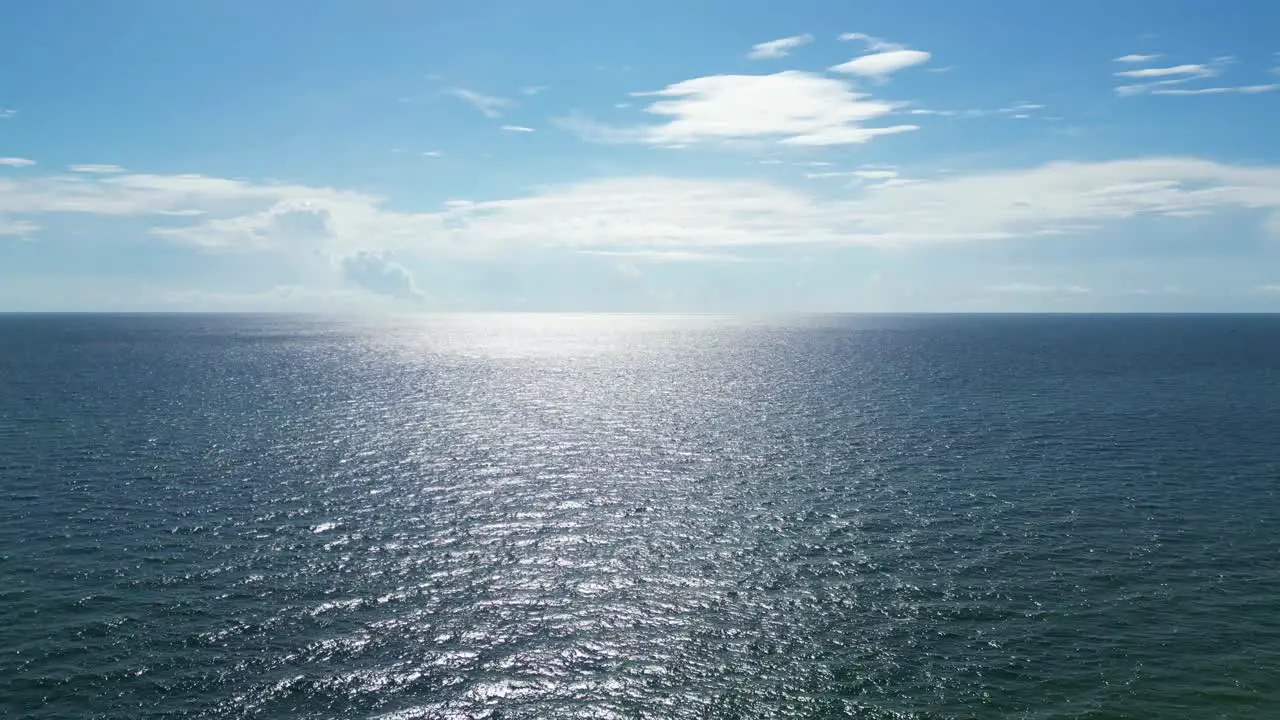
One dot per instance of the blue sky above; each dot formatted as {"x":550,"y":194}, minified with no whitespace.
{"x":701,"y":155}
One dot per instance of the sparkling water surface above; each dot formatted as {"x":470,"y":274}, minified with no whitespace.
{"x":529,"y":516}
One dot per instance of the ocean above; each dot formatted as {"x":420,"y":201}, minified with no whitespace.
{"x":623,"y":516}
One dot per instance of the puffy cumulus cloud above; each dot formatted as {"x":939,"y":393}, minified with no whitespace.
{"x":378,"y":273}
{"x":289,"y":222}
{"x":790,"y":107}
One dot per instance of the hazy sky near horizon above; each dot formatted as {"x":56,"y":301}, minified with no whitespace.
{"x":701,"y":155}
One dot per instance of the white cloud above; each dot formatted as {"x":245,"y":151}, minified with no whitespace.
{"x":882,"y":64}
{"x":644,"y":213}
{"x":1241,"y":89}
{"x":378,"y":273}
{"x":778,"y":48}
{"x":1164,"y":80}
{"x":433,"y":154}
{"x":278,"y":298}
{"x":1196,"y":70}
{"x":6,"y":113}
{"x":1054,"y":199}
{"x":1019,"y":109}
{"x":285,"y":223}
{"x":666,"y":255}
{"x":1136,"y":58}
{"x":1166,"y":290}
{"x":883,"y":58}
{"x":169,"y":195}
{"x":1020,"y":288}
{"x":517,"y":128}
{"x":94,"y":168}
{"x":789,"y":107}
{"x":867,"y":174}
{"x":488,"y":105}
{"x":874,"y":44}
{"x":1059,"y":198}
{"x":17,"y":228}
{"x":663,"y":214}
{"x":15,"y":162}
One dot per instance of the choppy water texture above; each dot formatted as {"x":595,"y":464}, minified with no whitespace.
{"x":598,"y":516}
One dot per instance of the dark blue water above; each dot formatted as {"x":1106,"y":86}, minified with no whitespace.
{"x":621,"y":516}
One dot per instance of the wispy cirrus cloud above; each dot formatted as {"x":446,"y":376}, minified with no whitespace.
{"x":1186,"y":70}
{"x":874,"y":44}
{"x":881,"y":65}
{"x":790,"y":108}
{"x":95,"y":168}
{"x":666,"y":255}
{"x":778,"y":48}
{"x":875,"y":174}
{"x":517,"y":129}
{"x":1023,"y":288}
{"x":6,"y":113}
{"x":862,"y":174}
{"x":1173,"y":79}
{"x":633,"y":214}
{"x":1017,"y":111}
{"x":16,"y":162}
{"x":1237,"y":89}
{"x":1136,"y":58}
{"x":17,"y":228}
{"x":489,"y":105}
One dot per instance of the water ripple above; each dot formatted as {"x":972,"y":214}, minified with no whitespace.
{"x":533,"y":517}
